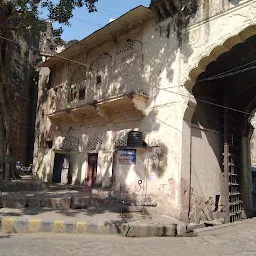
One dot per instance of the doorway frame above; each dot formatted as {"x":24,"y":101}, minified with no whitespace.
{"x":56,"y":151}
{"x":87,"y":173}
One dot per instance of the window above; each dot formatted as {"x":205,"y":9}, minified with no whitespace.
{"x":72,"y":93}
{"x":50,"y":79}
{"x":48,"y":144}
{"x":98,"y":79}
{"x":82,"y":94}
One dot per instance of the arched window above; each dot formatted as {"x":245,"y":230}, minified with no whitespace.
{"x":102,"y":60}
{"x":129,"y":67}
{"x":129,"y":50}
{"x":78,"y":82}
{"x":101,"y":69}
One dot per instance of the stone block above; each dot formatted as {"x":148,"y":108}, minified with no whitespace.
{"x":109,"y":229}
{"x":61,"y":203}
{"x":32,"y":201}
{"x":114,"y":228}
{"x":56,"y":202}
{"x":69,"y":227}
{"x":58,"y":226}
{"x":80,"y":228}
{"x":181,"y":229}
{"x":34,"y":225}
{"x":155,"y":230}
{"x":21,"y":225}
{"x":143,"y":230}
{"x":132,"y":230}
{"x":169,"y":230}
{"x":16,"y":201}
{"x":92,"y":228}
{"x":79,"y":202}
{"x":3,"y":201}
{"x":7,"y":224}
{"x":46,"y":226}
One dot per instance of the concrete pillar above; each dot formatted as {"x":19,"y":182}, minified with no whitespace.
{"x":185,"y":178}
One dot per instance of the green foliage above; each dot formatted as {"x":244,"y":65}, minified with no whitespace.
{"x":24,"y":16}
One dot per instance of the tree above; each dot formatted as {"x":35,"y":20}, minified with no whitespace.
{"x":21,"y":17}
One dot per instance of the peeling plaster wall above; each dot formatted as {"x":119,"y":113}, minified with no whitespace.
{"x":160,"y":124}
{"x":206,"y":172}
{"x":173,"y":56}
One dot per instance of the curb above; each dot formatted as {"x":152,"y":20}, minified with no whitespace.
{"x":24,"y":225}
{"x":201,"y":231}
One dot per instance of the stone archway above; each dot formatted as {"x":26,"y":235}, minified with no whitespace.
{"x":236,"y":36}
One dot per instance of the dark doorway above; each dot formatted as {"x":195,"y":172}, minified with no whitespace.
{"x":92,"y":169}
{"x":57,"y":168}
{"x":60,"y":168}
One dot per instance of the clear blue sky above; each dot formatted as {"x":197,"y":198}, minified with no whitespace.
{"x":84,"y":23}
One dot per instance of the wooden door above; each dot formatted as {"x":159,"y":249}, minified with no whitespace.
{"x":92,"y":169}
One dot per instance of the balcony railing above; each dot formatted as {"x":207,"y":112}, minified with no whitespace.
{"x":96,"y":87}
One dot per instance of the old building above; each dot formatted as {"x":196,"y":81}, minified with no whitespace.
{"x":180,"y":78}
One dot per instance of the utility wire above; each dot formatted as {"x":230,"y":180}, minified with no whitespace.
{"x":88,"y":22}
{"x":104,"y":10}
{"x":226,"y":74}
{"x":183,"y":95}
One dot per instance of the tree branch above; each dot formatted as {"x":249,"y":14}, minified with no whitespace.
{"x":13,"y":15}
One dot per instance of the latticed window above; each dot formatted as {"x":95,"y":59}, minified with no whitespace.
{"x":95,"y":143}
{"x":78,"y":81}
{"x":100,"y":67}
{"x":129,"y":67}
{"x":122,"y":141}
{"x":102,"y":60}
{"x":129,"y":50}
{"x":72,"y":93}
{"x":70,"y":143}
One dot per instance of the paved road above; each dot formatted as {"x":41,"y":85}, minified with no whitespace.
{"x":238,"y":240}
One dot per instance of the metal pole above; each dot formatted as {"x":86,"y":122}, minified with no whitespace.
{"x":226,"y":166}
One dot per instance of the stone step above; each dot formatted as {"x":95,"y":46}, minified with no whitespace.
{"x":21,"y":185}
{"x":62,"y":201}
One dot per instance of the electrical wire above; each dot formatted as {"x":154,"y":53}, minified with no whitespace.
{"x":156,"y":87}
{"x":88,"y":22}
{"x":219,"y":76}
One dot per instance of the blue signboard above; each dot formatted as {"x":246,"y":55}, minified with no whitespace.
{"x":127,"y":156}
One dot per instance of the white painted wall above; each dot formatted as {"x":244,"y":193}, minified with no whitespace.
{"x":206,"y":161}
{"x":169,"y":64}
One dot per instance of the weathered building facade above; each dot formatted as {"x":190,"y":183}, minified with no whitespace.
{"x":182,"y":75}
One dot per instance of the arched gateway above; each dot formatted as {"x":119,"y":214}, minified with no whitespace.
{"x":217,"y":133}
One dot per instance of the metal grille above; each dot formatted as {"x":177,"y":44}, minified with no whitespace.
{"x":94,"y":143}
{"x":122,"y":142}
{"x":232,"y":166}
{"x":101,"y":61}
{"x":70,"y":144}
{"x":235,"y":203}
{"x":130,"y":47}
{"x":78,"y":77}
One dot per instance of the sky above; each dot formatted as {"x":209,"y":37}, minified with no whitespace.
{"x":84,"y":23}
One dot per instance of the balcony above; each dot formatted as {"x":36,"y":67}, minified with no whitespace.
{"x":104,"y":92}
{"x":108,"y":109}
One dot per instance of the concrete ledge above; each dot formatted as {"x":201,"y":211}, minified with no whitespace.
{"x":56,"y":202}
{"x":17,"y":201}
{"x":32,"y":201}
{"x":201,"y":231}
{"x":24,"y":225}
{"x":145,"y":230}
{"x":21,"y":225}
